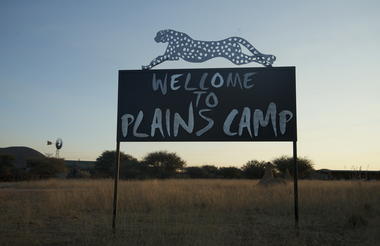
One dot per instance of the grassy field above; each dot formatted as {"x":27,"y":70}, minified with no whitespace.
{"x":189,"y":212}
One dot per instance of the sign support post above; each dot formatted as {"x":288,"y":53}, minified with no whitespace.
{"x":116,"y":181}
{"x":296,"y":217}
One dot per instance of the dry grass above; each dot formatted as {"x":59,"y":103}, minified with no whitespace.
{"x":188,"y":212}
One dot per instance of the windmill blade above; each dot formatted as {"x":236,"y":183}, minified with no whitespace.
{"x":59,"y":143}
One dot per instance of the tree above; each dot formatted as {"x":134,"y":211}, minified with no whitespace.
{"x":105,"y":165}
{"x":283,"y":163}
{"x":254,"y":169}
{"x":162,"y":164}
{"x":230,"y":172}
{"x":45,"y":167}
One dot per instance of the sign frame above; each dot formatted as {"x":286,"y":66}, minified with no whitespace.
{"x":273,"y":91}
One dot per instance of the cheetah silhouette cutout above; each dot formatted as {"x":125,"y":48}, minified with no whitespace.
{"x":181,"y":45}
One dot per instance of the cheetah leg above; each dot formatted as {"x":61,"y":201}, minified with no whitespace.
{"x":156,"y":61}
{"x":244,"y":59}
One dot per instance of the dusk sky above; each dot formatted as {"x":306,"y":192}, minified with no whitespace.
{"x":59,"y":63}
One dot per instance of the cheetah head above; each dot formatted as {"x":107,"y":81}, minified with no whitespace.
{"x":162,"y":36}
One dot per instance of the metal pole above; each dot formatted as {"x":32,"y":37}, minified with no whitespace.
{"x":295,"y":175}
{"x":117,"y":168}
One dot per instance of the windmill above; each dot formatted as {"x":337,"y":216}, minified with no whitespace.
{"x":58,"y":146}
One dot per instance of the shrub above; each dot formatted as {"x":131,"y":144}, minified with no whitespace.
{"x":230,"y":172}
{"x":45,"y":167}
{"x":6,"y":167}
{"x":212,"y":171}
{"x":203,"y":172}
{"x":76,"y":172}
{"x":133,"y":169}
{"x":196,"y":172}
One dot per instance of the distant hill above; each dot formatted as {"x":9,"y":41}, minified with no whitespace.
{"x":21,"y":155}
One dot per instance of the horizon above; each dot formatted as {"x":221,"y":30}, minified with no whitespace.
{"x":353,"y":168}
{"x":58,"y":74}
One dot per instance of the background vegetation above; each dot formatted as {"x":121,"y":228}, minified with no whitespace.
{"x":162,"y":165}
{"x":155,"y":165}
{"x":37,"y":168}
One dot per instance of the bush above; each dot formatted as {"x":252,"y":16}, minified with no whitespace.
{"x":163,"y":164}
{"x":254,"y":169}
{"x":196,"y":172}
{"x":284,"y":163}
{"x":203,"y":172}
{"x":77,"y":173}
{"x":133,"y":169}
{"x":45,"y":167}
{"x":212,"y":171}
{"x":230,"y":173}
{"x":6,"y":167}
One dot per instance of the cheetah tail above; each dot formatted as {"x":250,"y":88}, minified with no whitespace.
{"x":268,"y":60}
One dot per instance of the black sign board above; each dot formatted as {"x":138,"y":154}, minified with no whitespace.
{"x":218,"y":104}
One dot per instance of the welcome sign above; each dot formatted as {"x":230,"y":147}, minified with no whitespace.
{"x":218,"y":104}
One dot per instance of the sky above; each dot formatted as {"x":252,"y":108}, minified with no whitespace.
{"x":59,"y":63}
